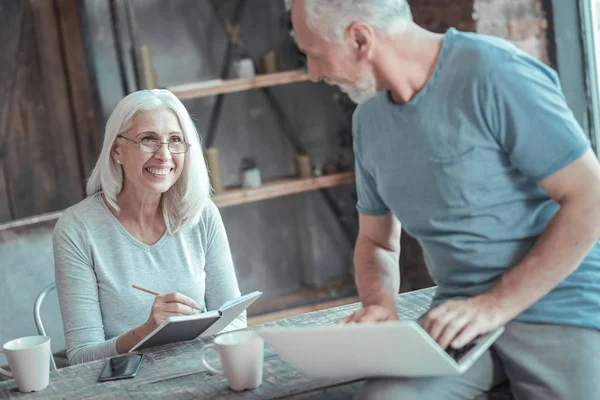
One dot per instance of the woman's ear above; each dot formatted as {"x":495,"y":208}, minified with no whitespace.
{"x":115,"y":152}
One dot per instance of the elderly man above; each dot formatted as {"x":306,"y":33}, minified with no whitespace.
{"x":469,"y":143}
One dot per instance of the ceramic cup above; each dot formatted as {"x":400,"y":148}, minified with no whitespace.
{"x":241,"y":355}
{"x":29,"y":360}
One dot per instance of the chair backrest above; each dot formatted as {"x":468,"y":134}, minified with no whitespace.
{"x":37,"y":315}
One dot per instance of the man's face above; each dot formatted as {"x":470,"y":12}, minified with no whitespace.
{"x":335,"y":63}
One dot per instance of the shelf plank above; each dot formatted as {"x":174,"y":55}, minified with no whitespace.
{"x":218,"y":86}
{"x":231,"y":197}
{"x":280,"y":187}
{"x":291,"y":312}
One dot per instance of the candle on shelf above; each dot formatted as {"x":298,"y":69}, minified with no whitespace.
{"x":303,"y":166}
{"x":214,"y":169}
{"x":148,"y":72}
{"x":269,"y":62}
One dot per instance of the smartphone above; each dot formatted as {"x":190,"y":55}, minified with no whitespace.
{"x":121,"y":367}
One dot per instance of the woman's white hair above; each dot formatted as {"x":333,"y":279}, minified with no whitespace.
{"x":331,"y":17}
{"x":184,"y":201}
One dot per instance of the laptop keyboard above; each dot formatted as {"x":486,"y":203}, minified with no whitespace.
{"x":458,"y":354}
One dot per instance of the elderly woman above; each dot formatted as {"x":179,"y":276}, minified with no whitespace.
{"x":148,"y":220}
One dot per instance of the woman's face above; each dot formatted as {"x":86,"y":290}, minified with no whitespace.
{"x":150,"y":172}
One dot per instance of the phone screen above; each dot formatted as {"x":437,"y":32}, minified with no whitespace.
{"x":121,"y":367}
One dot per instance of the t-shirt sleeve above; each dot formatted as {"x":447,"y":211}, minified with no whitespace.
{"x":221,"y":280}
{"x":527,"y":113}
{"x":77,"y":290}
{"x":369,"y":200}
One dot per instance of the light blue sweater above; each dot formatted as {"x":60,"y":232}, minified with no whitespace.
{"x":97,"y":260}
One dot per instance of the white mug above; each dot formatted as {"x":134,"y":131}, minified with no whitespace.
{"x":29,"y":361}
{"x":241,"y":355}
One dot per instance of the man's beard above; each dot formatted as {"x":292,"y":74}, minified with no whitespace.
{"x":363,"y":90}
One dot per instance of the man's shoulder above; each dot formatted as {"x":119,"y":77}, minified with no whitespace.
{"x":495,"y":62}
{"x":480,"y":54}
{"x":479,"y":62}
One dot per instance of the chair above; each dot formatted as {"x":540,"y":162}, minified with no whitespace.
{"x":37,"y":318}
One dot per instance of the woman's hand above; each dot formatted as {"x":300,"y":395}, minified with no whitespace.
{"x":169,"y":305}
{"x":165,"y":306}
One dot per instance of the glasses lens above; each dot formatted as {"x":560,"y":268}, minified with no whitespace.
{"x":178,"y":147}
{"x":149,"y":145}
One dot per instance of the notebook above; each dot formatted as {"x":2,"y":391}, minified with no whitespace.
{"x":384,"y":349}
{"x":188,"y":327}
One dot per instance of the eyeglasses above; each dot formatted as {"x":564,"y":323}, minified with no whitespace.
{"x":148,"y":145}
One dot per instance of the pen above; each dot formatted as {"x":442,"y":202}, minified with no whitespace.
{"x":143,"y":289}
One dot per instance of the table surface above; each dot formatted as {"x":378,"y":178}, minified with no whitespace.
{"x":175,"y":371}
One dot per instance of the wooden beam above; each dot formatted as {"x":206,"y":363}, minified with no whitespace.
{"x":218,"y":86}
{"x":4,"y":196}
{"x":566,"y":50}
{"x":80,"y":89}
{"x":23,"y":146}
{"x":40,"y":154}
{"x":280,"y":187}
{"x":10,"y":20}
{"x":57,"y":129}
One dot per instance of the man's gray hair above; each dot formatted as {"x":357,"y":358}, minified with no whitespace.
{"x":182,"y":204}
{"x":330,"y":18}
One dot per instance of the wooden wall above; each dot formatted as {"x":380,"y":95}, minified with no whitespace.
{"x":48,"y":131}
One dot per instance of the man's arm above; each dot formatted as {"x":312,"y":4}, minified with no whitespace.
{"x":560,"y":249}
{"x":377,"y":273}
{"x":565,"y":242}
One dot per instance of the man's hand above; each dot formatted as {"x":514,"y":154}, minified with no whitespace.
{"x":457,"y":322}
{"x":374,"y":313}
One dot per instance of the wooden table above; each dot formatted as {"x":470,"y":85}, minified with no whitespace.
{"x":175,"y":371}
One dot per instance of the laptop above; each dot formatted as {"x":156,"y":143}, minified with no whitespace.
{"x":383,"y":349}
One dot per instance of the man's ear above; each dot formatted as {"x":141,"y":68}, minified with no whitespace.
{"x":361,"y":38}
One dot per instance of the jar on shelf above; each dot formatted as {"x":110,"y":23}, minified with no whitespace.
{"x":249,"y":173}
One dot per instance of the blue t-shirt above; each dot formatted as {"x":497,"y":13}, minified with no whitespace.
{"x":458,"y":166}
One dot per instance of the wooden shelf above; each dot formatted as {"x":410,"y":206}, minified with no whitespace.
{"x":280,"y":187}
{"x":291,"y":312}
{"x":341,"y":289}
{"x":219,"y":86}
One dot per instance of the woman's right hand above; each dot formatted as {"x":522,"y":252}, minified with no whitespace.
{"x":165,"y":306}
{"x":169,"y":305}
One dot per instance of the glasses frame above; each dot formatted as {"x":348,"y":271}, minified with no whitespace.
{"x":159,"y":145}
